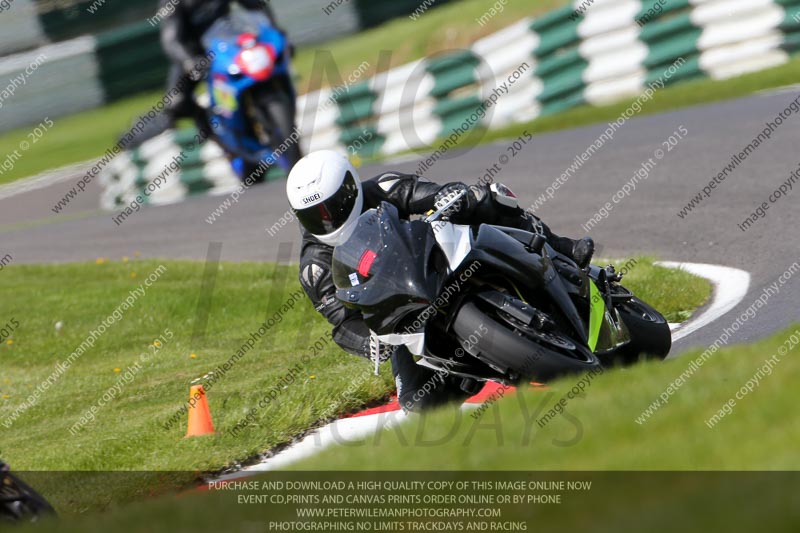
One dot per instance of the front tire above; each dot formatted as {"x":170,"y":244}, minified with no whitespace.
{"x":651,"y":337}
{"x":274,"y":112}
{"x":511,"y":351}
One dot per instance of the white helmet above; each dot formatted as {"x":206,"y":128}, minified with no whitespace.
{"x":326,"y":196}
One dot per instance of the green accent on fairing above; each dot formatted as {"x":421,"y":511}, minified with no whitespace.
{"x":597,"y":312}
{"x":519,"y":294}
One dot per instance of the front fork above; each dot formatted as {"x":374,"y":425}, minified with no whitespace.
{"x":617,"y":333}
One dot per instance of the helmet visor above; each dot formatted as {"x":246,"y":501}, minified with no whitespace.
{"x":328,"y":216}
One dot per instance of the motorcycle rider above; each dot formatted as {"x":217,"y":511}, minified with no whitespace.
{"x":181,"y":32}
{"x":327,"y":198}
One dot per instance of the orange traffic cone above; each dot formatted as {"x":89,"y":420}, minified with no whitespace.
{"x":199,"y":414}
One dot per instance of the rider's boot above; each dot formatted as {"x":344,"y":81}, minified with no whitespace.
{"x":580,"y":251}
{"x":420,"y":388}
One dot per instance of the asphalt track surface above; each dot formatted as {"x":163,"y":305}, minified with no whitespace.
{"x":644,"y":223}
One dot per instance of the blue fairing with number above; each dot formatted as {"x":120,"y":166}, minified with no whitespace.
{"x":227,"y":82}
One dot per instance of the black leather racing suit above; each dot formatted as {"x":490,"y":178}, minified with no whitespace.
{"x":181,"y":32}
{"x":411,"y":195}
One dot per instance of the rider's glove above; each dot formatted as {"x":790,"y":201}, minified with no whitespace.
{"x":195,"y":68}
{"x":380,"y":352}
{"x":462,"y":208}
{"x":379,"y":349}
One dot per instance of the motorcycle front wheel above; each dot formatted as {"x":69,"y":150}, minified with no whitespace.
{"x":651,"y":337}
{"x":513,"y":350}
{"x":273,"y":112}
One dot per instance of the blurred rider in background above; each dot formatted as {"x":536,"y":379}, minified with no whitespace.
{"x":182,"y":27}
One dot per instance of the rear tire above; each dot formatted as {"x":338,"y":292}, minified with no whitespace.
{"x":512,"y":351}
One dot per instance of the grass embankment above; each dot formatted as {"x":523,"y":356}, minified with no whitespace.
{"x":598,"y":433}
{"x":129,"y":430}
{"x":601,"y":431}
{"x":675,"y":293}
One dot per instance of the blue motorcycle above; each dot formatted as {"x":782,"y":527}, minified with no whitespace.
{"x":252,"y":98}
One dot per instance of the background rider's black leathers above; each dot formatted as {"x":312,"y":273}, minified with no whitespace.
{"x":181,"y":34}
{"x":412,"y":195}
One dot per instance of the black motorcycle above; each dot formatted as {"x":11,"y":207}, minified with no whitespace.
{"x":490,"y":302}
{"x":18,"y":501}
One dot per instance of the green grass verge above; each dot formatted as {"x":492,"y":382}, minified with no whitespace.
{"x":128,"y":432}
{"x":675,"y":293}
{"x":600,"y":431}
{"x":74,"y":138}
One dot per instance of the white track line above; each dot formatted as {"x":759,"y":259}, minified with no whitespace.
{"x":730,"y":288}
{"x":779,"y":90}
{"x":341,"y":431}
{"x":45,"y":179}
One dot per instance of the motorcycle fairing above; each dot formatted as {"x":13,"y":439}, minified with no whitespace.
{"x":455,"y":241}
{"x":606,"y":330}
{"x":496,"y":250}
{"x":597,"y":311}
{"x":399,"y":285}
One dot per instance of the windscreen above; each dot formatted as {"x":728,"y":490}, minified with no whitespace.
{"x":388,"y":267}
{"x":236,"y":23}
